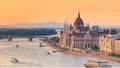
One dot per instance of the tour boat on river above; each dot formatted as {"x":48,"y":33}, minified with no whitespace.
{"x":97,"y":64}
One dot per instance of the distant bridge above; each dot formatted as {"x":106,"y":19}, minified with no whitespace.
{"x":28,"y":37}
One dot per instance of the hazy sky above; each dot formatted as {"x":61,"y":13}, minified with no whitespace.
{"x":96,"y":12}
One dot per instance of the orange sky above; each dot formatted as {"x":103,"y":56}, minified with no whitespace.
{"x":96,"y":12}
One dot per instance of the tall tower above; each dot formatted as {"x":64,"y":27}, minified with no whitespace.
{"x":66,"y":27}
{"x":64,"y":30}
{"x":78,"y":22}
{"x":78,"y":14}
{"x":65,"y":35}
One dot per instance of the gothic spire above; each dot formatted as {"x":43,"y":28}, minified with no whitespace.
{"x":64,"y":26}
{"x":78,"y":14}
{"x":67,"y":25}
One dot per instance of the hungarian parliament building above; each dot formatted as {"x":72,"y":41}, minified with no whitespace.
{"x":79,"y":35}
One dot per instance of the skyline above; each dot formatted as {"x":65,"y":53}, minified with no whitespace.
{"x":30,"y":11}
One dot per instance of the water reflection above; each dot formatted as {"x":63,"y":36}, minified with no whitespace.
{"x":30,"y":54}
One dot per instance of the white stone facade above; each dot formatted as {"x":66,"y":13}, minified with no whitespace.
{"x":110,"y":43}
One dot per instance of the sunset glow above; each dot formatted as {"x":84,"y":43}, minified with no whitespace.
{"x":96,"y":12}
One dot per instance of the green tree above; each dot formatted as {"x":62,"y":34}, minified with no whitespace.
{"x":27,"y":32}
{"x":117,"y":55}
{"x":95,"y":48}
{"x":56,"y":39}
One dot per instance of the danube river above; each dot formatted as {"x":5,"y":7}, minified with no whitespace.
{"x":31,"y":55}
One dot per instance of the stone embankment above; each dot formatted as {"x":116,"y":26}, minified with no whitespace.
{"x":93,"y":54}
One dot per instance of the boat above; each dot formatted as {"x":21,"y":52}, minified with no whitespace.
{"x":47,"y":52}
{"x":118,"y":61}
{"x":17,"y":46}
{"x":54,"y":51}
{"x":41,"y":45}
{"x":97,"y":64}
{"x":14,"y":60}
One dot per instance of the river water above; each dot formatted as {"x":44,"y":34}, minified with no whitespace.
{"x":31,"y":55}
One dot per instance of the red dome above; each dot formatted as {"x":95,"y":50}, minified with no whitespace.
{"x":79,"y":22}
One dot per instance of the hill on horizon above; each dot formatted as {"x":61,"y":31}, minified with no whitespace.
{"x":50,"y":24}
{"x":36,"y":25}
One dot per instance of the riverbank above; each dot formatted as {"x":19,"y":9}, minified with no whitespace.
{"x":73,"y":52}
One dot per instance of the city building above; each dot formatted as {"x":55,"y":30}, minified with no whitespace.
{"x":106,"y":43}
{"x":78,"y":35}
{"x":110,"y":43}
{"x":117,"y":46}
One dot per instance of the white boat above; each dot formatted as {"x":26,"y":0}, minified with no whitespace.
{"x":14,"y":60}
{"x":118,"y":61}
{"x":47,"y":52}
{"x":54,"y":51}
{"x":97,"y":64}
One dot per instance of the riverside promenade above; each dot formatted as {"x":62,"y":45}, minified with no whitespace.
{"x":93,"y":54}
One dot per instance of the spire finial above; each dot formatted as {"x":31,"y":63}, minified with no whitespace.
{"x":78,"y":14}
{"x":64,"y":26}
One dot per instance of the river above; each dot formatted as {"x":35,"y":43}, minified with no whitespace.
{"x":31,"y":55}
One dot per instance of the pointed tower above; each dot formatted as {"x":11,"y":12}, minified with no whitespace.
{"x":65,"y":41}
{"x":67,"y":27}
{"x":78,"y":22}
{"x":78,"y":14}
{"x":64,"y":27}
{"x":67,"y":34}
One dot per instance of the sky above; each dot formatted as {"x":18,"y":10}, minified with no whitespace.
{"x":94,"y":12}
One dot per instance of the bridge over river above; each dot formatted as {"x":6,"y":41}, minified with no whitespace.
{"x":28,"y":37}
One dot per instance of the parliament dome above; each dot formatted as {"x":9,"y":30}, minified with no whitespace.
{"x":79,"y":22}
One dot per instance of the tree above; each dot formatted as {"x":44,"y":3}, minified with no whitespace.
{"x":27,"y":32}
{"x":95,"y":48}
{"x":56,"y":39}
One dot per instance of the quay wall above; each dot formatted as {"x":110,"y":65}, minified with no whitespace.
{"x":74,"y":52}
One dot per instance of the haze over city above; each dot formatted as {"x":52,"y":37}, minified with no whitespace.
{"x":60,"y":33}
{"x":96,"y":12}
